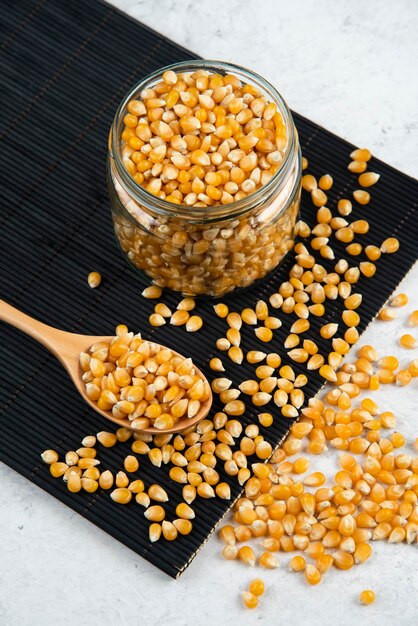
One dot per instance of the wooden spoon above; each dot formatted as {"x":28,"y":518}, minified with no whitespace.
{"x":67,"y":347}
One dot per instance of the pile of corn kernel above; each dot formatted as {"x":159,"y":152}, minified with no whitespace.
{"x":375,"y":493}
{"x":202,"y":138}
{"x":141,"y":381}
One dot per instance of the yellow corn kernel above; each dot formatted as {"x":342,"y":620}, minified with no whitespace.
{"x":328,"y":373}
{"x":154,"y":532}
{"x":106,"y":480}
{"x":229,"y":552}
{"x":131,"y":463}
{"x":178,"y":475}
{"x":154,"y":513}
{"x":221,"y":310}
{"x":156,"y":492}
{"x":205,"y":490}
{"x":328,"y":330}
{"x":249,"y":316}
{"x":319,"y":198}
{"x":169,"y":530}
{"x":367,"y":597}
{"x":344,"y":207}
{"x":389,"y":363}
{"x":184,"y":511}
{"x":273,"y":360}
{"x":387,"y":315}
{"x":249,"y":599}
{"x":152,"y":292}
{"x":106,"y":439}
{"x":187,"y":304}
{"x":309,"y":182}
{"x":344,"y":234}
{"x":276,"y":300}
{"x":49,"y":456}
{"x":94,"y":279}
{"x":300,"y":326}
{"x":234,"y":336}
{"x":223,"y":344}
{"x":179,"y":317}
{"x":155,"y":319}
{"x":121,"y":495}
{"x":316,"y":479}
{"x":257,"y":587}
{"x":362,"y":552}
{"x":368,"y":179}
{"x":312,"y":574}
{"x":246,"y":555}
{"x":121,"y":479}
{"x":299,"y":355}
{"x":143,"y":499}
{"x":325,"y":182}
{"x":399,"y":300}
{"x":136,"y":486}
{"x":297,"y":564}
{"x":413,"y":319}
{"x":403,"y":377}
{"x":255,"y":356}
{"x":408,"y":341}
{"x":268,"y":560}
{"x":350,"y":318}
{"x":361,"y":196}
{"x":91,"y":472}
{"x":357,"y":166}
{"x":183,"y":526}
{"x":265,"y":419}
{"x":390,"y":245}
{"x":263,"y":333}
{"x":58,"y":469}
{"x":398,"y":440}
{"x":89,"y":485}
{"x":223,"y":491}
{"x":234,"y":320}
{"x":216,"y":365}
{"x":361,"y":154}
{"x":84,"y":453}
{"x":343,"y":560}
{"x":123,"y":434}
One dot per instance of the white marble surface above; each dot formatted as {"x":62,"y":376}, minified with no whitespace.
{"x":348,"y":66}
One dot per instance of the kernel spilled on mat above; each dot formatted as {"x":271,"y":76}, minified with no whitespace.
{"x":287,"y":505}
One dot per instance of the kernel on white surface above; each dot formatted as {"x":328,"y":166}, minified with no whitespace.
{"x":47,"y":550}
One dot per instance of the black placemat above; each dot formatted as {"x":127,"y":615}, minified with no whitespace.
{"x":64,"y":68}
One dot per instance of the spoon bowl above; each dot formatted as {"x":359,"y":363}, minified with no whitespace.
{"x":67,"y":348}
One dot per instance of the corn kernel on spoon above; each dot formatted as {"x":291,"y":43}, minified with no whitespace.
{"x":67,"y":347}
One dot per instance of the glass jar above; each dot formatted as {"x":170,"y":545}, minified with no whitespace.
{"x":206,"y":250}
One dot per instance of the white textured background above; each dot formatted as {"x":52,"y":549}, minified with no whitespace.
{"x":350,"y":66}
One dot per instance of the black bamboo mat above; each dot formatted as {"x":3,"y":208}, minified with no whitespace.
{"x":64,"y":67}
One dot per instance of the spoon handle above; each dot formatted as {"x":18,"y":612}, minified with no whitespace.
{"x":47,"y":335}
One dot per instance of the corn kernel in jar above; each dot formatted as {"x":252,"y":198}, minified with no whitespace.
{"x":205,"y":187}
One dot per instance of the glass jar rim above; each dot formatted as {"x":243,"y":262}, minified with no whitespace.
{"x":216,"y":211}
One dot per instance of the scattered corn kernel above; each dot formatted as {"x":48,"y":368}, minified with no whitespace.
{"x":152,"y":292}
{"x":408,"y":341}
{"x":367,"y":597}
{"x":249,"y":599}
{"x":257,"y":587}
{"x":94,"y":279}
{"x":368,"y":179}
{"x":390,"y":245}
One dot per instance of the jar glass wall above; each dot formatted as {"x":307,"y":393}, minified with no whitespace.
{"x":208,"y":250}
